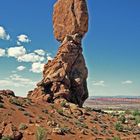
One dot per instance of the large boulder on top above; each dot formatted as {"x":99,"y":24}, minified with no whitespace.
{"x":70,"y":17}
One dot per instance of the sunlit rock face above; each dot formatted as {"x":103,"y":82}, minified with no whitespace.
{"x":65,"y":76}
{"x":70,"y":17}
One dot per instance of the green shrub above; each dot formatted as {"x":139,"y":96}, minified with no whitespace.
{"x":6,"y":138}
{"x":63,"y":104}
{"x":137,"y":119}
{"x":45,"y":111}
{"x":1,"y":105}
{"x":116,"y":138}
{"x":15,"y":101}
{"x":89,"y":109}
{"x":118,"y":126}
{"x":60,"y":111}
{"x":27,"y":114}
{"x":80,"y":124}
{"x":23,"y":126}
{"x":65,"y":129}
{"x":122,"y":118}
{"x":41,"y":134}
{"x":136,"y":113}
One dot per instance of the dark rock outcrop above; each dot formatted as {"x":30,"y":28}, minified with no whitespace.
{"x":7,"y":92}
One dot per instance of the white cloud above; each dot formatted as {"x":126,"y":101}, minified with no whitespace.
{"x":20,"y":80}
{"x":16,"y":81}
{"x":23,"y":38}
{"x":37,"y":67}
{"x":99,"y":83}
{"x":49,"y":58}
{"x":5,"y":83}
{"x":16,"y":51}
{"x":2,"y":52}
{"x":18,"y":43}
{"x":127,"y":82}
{"x":40,"y":52}
{"x":3,"y":34}
{"x":31,"y":57}
{"x":20,"y":68}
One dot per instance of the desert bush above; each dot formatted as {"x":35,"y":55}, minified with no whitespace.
{"x":41,"y":134}
{"x":60,"y":111}
{"x":116,"y":138}
{"x":136,"y":113}
{"x":1,"y":105}
{"x":95,"y":130}
{"x":21,"y":109}
{"x":122,"y":118}
{"x":118,"y":126}
{"x":23,"y":126}
{"x":80,"y":124}
{"x":27,"y":114}
{"x":89,"y":109}
{"x":6,"y":138}
{"x":65,"y":129}
{"x":137,"y":119}
{"x":128,"y":112}
{"x":63,"y":103}
{"x":45,"y":111}
{"x":15,"y":101}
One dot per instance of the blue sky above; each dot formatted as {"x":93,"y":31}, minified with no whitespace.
{"x":111,"y":46}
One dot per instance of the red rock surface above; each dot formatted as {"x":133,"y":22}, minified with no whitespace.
{"x":65,"y":76}
{"x":70,"y":17}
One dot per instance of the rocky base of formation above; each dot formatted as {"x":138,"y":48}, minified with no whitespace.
{"x":23,"y":119}
{"x":65,"y":76}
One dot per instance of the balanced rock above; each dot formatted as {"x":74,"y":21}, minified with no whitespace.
{"x":70,"y":17}
{"x":65,"y":76}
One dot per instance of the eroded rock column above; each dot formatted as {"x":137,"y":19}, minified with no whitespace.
{"x":65,"y":76}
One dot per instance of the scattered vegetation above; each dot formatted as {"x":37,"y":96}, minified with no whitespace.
{"x":118,"y":126}
{"x":41,"y":134}
{"x":6,"y":138}
{"x":27,"y":114}
{"x":122,"y":118}
{"x":137,"y":119}
{"x":60,"y":111}
{"x":1,"y":105}
{"x":136,"y":113}
{"x":45,"y":111}
{"x":23,"y":126}
{"x":95,"y":130}
{"x":80,"y":124}
{"x":65,"y":129}
{"x":15,"y":101}
{"x":116,"y":138}
{"x":63,"y":103}
{"x":21,"y":109}
{"x":89,"y":109}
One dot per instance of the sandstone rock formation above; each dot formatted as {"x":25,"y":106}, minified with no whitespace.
{"x":65,"y":76}
{"x":70,"y":17}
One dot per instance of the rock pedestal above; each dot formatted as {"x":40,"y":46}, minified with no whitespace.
{"x":65,"y":76}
